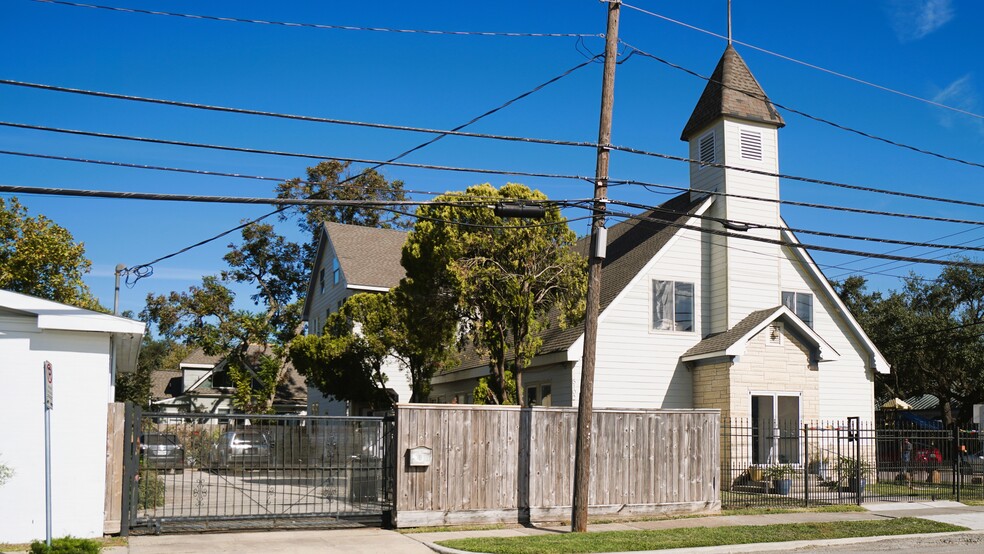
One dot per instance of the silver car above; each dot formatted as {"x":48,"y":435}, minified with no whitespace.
{"x":240,"y":449}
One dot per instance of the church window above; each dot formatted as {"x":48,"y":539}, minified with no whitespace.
{"x":673,"y":306}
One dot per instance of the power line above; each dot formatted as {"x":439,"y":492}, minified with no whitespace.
{"x":499,"y":137}
{"x":648,"y":186}
{"x":147,"y":269}
{"x":614,"y":182}
{"x":319,"y":25}
{"x":799,"y":245}
{"x":807,"y":64}
{"x":806,"y":115}
{"x":749,"y":226}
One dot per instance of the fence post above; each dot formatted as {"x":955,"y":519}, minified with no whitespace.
{"x":806,"y":465}
{"x":957,"y":475}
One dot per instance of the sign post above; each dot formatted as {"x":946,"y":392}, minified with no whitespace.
{"x":48,"y":403}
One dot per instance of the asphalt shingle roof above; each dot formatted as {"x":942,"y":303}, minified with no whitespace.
{"x":168,"y":384}
{"x":721,"y":341}
{"x":368,"y":256}
{"x":731,"y":91}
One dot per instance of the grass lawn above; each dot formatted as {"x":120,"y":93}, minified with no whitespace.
{"x":617,"y":541}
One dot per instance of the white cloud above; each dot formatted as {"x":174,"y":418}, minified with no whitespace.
{"x":960,"y":94}
{"x":914,"y":19}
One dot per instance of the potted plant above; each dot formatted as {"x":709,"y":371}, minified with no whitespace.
{"x":756,"y":473}
{"x":781,"y":476}
{"x":855,"y":471}
{"x":818,"y":465}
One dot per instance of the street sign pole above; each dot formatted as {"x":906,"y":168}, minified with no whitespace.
{"x":48,"y":403}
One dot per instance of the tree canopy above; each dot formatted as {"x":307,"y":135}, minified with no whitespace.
{"x":41,"y":258}
{"x":508,"y":278}
{"x":932,"y":333}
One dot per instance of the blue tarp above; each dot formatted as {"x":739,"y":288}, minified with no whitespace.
{"x":921,"y":421}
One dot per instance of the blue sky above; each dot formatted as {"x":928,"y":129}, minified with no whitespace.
{"x":928,"y":49}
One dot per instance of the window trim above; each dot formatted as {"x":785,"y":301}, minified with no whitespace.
{"x":673,"y":303}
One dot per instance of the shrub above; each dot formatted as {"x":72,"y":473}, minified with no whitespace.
{"x":151,"y":490}
{"x":66,"y":545}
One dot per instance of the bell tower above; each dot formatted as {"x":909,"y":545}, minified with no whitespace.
{"x":734,"y":127}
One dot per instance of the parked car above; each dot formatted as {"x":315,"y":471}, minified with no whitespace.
{"x":161,"y":451}
{"x":241,"y":449}
{"x":926,"y":455}
{"x":972,"y":462}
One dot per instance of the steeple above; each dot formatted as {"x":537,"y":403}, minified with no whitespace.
{"x":733,"y":92}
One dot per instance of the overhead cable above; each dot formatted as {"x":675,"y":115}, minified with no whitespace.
{"x":804,"y":114}
{"x":318,"y":25}
{"x":806,"y":64}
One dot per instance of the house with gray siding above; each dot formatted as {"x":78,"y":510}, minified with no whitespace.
{"x":352,"y":259}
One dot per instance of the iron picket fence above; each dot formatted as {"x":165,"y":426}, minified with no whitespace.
{"x":213,"y":472}
{"x":775,"y":463}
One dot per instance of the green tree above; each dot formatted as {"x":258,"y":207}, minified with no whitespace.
{"x":931,"y":333}
{"x":205,"y":315}
{"x":508,"y":278}
{"x":155,"y":355}
{"x":346,"y":360}
{"x":40,"y":258}
{"x":324,"y":181}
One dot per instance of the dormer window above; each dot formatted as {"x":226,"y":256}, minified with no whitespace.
{"x":705,"y":150}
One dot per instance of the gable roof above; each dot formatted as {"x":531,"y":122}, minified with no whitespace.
{"x":126,"y":334}
{"x":369,"y":257}
{"x":733,"y":341}
{"x":169,"y":384}
{"x":731,"y":91}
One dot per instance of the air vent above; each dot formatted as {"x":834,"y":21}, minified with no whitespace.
{"x":751,"y":145}
{"x":706,"y":147}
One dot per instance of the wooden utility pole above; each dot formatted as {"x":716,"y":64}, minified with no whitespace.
{"x":596,"y":255}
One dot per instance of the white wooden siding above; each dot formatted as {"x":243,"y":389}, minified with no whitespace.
{"x":846,"y":385}
{"x":636,"y":366}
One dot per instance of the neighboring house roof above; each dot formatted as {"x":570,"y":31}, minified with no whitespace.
{"x":169,"y":384}
{"x":165,"y":384}
{"x":731,"y":91}
{"x":923,"y":402}
{"x":733,"y":341}
{"x":369,"y":257}
{"x":127,"y":334}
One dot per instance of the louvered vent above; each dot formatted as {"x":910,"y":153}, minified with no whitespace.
{"x":751,"y":145}
{"x":706,"y":147}
{"x":775,"y":334}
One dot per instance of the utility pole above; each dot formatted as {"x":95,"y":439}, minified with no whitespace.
{"x":596,"y":255}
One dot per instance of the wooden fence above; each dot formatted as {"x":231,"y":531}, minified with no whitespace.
{"x":491,"y":464}
{"x":114,"y":468}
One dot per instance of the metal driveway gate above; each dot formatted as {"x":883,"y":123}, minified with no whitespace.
{"x":193,"y":472}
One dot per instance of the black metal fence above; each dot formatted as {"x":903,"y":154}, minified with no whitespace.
{"x":788,"y":463}
{"x":205,"y":471}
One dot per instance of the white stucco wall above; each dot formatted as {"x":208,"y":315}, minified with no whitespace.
{"x":80,"y":363}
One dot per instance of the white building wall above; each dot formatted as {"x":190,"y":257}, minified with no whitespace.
{"x":753,"y":266}
{"x":846,"y":385}
{"x":637,"y":366}
{"x":78,"y":432}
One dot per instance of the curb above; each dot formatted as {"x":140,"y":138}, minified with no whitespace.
{"x":752,"y":547}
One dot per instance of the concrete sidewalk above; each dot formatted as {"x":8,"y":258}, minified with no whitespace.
{"x":373,"y":540}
